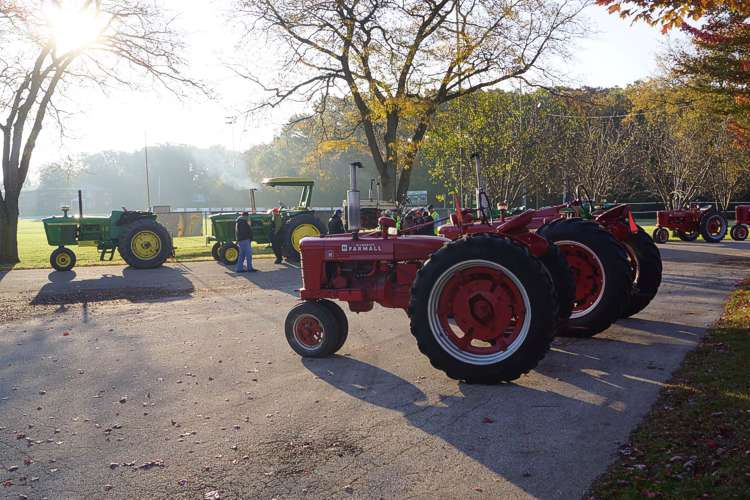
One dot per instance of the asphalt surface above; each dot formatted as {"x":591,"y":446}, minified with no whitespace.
{"x":179,"y":383}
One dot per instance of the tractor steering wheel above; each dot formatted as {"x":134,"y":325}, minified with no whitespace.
{"x":581,"y":191}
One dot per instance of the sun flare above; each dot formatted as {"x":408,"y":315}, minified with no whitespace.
{"x":73,"y":25}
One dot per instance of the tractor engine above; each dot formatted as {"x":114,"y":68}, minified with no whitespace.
{"x":362,"y":270}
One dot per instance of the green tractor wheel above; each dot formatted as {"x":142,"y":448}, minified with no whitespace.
{"x":215,"y":251}
{"x":228,"y":253}
{"x":296,"y":228}
{"x":145,"y":244}
{"x":62,"y":259}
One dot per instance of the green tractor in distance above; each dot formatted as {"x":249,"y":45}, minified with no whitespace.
{"x":281,"y":227}
{"x":141,"y":241}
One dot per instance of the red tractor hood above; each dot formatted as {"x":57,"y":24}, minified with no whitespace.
{"x":345,"y":247}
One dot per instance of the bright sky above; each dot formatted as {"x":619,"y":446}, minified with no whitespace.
{"x":617,"y":55}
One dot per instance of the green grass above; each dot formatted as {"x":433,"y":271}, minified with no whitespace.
{"x":695,"y":442}
{"x":34,"y":250}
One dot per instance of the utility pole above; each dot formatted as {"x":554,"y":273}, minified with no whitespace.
{"x":231,"y":120}
{"x":148,"y":185}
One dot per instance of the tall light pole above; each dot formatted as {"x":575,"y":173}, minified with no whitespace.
{"x":231,"y":121}
{"x":148,"y":186}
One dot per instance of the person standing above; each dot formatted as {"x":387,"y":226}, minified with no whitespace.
{"x":243,"y":233}
{"x":335,"y":224}
{"x":276,"y":234}
{"x":435,"y":217}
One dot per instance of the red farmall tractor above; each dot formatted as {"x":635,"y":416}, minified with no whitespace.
{"x":483,"y":308}
{"x":740,"y":229}
{"x":616,"y":267}
{"x":688,"y":223}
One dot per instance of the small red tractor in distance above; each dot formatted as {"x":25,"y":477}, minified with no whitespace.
{"x":483,"y":308}
{"x":740,"y":229}
{"x":688,"y":223}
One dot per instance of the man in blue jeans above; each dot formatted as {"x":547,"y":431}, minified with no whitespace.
{"x":244,"y":235}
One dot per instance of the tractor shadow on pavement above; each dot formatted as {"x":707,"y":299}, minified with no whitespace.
{"x":497,"y":425}
{"x":135,"y":285}
{"x":283,"y":278}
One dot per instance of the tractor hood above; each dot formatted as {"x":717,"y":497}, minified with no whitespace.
{"x":370,"y":248}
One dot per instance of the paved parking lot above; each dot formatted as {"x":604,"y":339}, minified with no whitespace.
{"x":178,"y":382}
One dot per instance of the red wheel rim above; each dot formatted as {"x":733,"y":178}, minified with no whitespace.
{"x":479,"y":312}
{"x":309,"y":331}
{"x":588,"y":272}
{"x":715,"y":225}
{"x":741,"y":232}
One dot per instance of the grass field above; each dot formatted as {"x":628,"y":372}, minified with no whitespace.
{"x":34,"y":250}
{"x":695,"y":442}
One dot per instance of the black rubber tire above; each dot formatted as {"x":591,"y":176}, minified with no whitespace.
{"x":660,"y":235}
{"x":707,"y":236}
{"x":562,"y":277}
{"x":691,"y":236}
{"x":739,"y":232}
{"x":534,"y":279}
{"x":617,"y":275}
{"x":223,"y":253}
{"x":341,"y":319}
{"x":331,"y":330}
{"x":286,"y":233}
{"x":165,"y":249}
{"x":215,"y":251}
{"x":649,"y":270}
{"x":62,"y":251}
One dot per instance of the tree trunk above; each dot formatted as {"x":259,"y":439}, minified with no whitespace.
{"x":9,"y":232}
{"x":388,"y":183}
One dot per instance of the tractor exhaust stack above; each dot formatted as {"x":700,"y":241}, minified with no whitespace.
{"x":80,"y":204}
{"x":352,"y":199}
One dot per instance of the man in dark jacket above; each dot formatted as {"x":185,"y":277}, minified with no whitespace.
{"x":244,"y":235}
{"x":335,"y":224}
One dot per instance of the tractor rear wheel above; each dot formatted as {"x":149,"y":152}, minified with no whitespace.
{"x":483,"y":310}
{"x":660,"y":235}
{"x":687,"y":236}
{"x":646,"y":269}
{"x":563,"y":279}
{"x":145,"y":244}
{"x":312,"y":330}
{"x":229,"y":253}
{"x":62,"y":259}
{"x":739,"y":232}
{"x":295,"y":229}
{"x":601,"y":270}
{"x":713,"y":226}
{"x":215,"y":251}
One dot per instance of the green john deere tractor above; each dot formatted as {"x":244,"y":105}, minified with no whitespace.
{"x":141,"y":241}
{"x":281,"y":227}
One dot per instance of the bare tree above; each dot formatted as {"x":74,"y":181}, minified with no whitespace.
{"x":57,"y":46}
{"x":603,"y":158}
{"x":399,"y":60}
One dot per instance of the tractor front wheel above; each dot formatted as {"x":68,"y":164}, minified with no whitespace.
{"x":313,"y":331}
{"x":646,"y":268}
{"x":296,"y":228}
{"x":483,"y":310}
{"x":341,"y":319}
{"x":713,"y":226}
{"x":62,"y":259}
{"x":229,"y":253}
{"x":215,"y":251}
{"x":602,"y":274}
{"x":687,"y":236}
{"x":739,"y":232}
{"x":660,"y":235}
{"x":145,"y":244}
